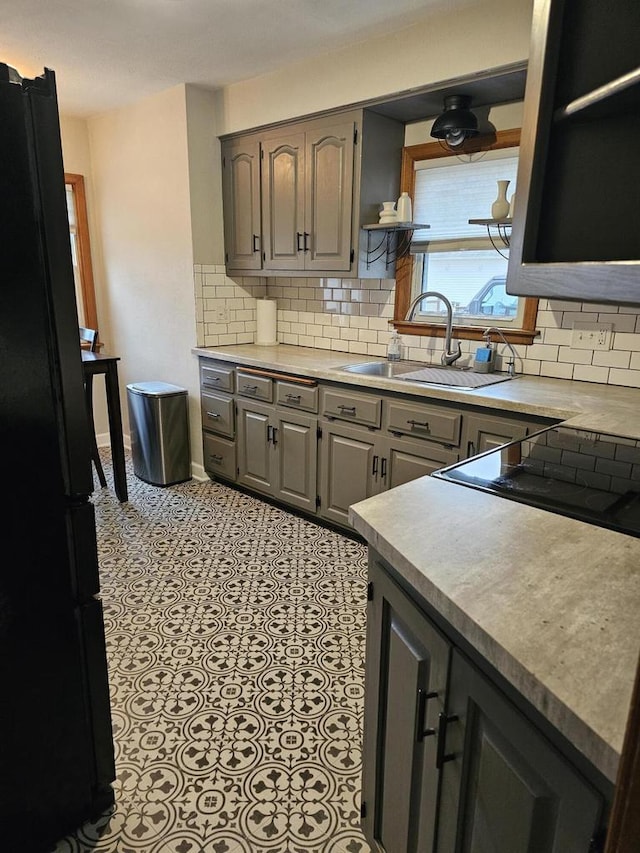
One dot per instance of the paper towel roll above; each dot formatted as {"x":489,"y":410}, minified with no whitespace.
{"x":266,"y":321}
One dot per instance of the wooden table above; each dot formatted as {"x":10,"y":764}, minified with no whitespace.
{"x":94,"y":363}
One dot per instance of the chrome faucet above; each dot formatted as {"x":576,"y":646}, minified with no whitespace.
{"x":511,"y":369}
{"x":449,"y":355}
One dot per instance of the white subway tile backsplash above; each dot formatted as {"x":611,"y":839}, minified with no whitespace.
{"x":352,"y":315}
{"x":622,"y":340}
{"x":589,"y":373}
{"x":556,"y":370}
{"x":575,"y":356}
{"x":611,"y":358}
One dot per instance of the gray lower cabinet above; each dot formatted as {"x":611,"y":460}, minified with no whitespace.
{"x":277,"y":453}
{"x":261,"y":429}
{"x":348,"y":473}
{"x":449,"y":763}
{"x":356,"y":462}
{"x":407,"y":662}
{"x":486,"y":432}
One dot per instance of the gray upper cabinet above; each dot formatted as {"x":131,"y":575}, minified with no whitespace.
{"x":307,"y":187}
{"x":575,"y":227}
{"x":295,"y":196}
{"x":329,"y":198}
{"x":241,"y":199}
{"x":283,"y":202}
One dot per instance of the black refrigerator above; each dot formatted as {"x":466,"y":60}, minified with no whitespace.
{"x":56,"y":746}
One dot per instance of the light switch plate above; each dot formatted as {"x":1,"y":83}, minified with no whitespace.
{"x":588,"y":335}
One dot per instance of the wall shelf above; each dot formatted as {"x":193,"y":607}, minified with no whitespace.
{"x":394,"y":240}
{"x":499,"y":229}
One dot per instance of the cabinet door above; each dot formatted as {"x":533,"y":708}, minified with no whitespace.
{"x":406,"y":673}
{"x":486,"y":433}
{"x":504,"y":787}
{"x":254,"y":446}
{"x":404,"y":461}
{"x":295,"y":442}
{"x":283,"y":203}
{"x":329,"y":197}
{"x":241,"y":200}
{"x":570,"y":174}
{"x":349,"y":469}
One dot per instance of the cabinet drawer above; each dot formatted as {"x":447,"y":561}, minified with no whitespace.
{"x":219,"y":456}
{"x":217,"y":414}
{"x":216,"y":377}
{"x":256,"y":387}
{"x":297,"y":396}
{"x":426,"y":422}
{"x":351,"y":406}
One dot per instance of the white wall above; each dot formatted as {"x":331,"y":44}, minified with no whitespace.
{"x":140,"y":166}
{"x":487,"y":34}
{"x":76,"y":155}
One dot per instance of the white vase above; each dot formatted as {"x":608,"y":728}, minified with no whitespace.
{"x":403,"y":208}
{"x":388,"y":212}
{"x":500,"y":207}
{"x":512,"y":205}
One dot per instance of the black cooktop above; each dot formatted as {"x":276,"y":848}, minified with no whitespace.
{"x":591,"y":476}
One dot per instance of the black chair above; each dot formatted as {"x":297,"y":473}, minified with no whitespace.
{"x":90,"y":337}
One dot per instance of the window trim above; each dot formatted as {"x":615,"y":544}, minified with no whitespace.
{"x":87,"y":287}
{"x":404,"y":266}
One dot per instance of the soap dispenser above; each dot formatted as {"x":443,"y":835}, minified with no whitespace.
{"x":394,"y":350}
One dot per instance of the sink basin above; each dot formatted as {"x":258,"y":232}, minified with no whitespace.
{"x":389,"y":369}
{"x":462,"y":378}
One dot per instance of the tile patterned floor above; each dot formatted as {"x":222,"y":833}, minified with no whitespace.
{"x":235,"y":642}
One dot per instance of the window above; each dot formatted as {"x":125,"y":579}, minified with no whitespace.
{"x":81,"y":251}
{"x":463,"y":261}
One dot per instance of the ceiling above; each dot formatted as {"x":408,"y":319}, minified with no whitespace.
{"x":107,"y":53}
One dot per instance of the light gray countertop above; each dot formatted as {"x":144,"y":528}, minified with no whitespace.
{"x":551,"y":602}
{"x":610,"y":408}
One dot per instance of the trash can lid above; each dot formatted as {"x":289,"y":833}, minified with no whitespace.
{"x":155,"y":389}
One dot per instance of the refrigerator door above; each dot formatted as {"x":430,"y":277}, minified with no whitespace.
{"x":40,"y":343}
{"x":56,"y":750}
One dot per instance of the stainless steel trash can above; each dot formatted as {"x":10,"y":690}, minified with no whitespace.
{"x":159,"y":427}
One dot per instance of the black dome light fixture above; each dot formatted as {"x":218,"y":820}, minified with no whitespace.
{"x":457,"y":123}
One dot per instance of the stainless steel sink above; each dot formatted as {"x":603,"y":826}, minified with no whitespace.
{"x":462,"y":378}
{"x":389,"y":369}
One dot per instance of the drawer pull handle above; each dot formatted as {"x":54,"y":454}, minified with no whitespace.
{"x":423,"y":698}
{"x":256,"y":242}
{"x":306,"y":236}
{"x":211,"y":379}
{"x":269,"y":433}
{"x":250,"y":389}
{"x":443,"y":722}
{"x":374,"y":468}
{"x":383,"y":468}
{"x":294,"y":398}
{"x":347,"y":410}
{"x":216,"y":459}
{"x":299,"y":248}
{"x":213,"y":415}
{"x":419,"y":425}
{"x":274,"y":436}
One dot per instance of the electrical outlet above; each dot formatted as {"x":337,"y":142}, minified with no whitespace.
{"x":587,"y":335}
{"x":222,"y":314}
